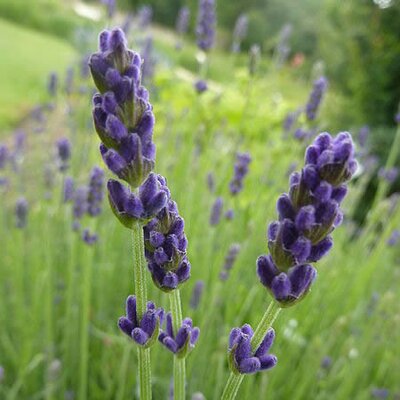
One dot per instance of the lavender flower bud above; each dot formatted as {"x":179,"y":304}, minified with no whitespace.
{"x":148,"y":60}
{"x":89,"y":238}
{"x":216,"y":211}
{"x":3,"y":155}
{"x":201,"y":86}
{"x":307,"y":216}
{"x":363,"y":135}
{"x":95,"y":192}
{"x":206,"y":25}
{"x":241,"y":169}
{"x":283,"y":47}
{"x":68,"y":191}
{"x":80,"y":202}
{"x":145,"y":331}
{"x":196,"y":294}
{"x":21,"y":212}
{"x":129,"y":207}
{"x":240,"y":32}
{"x":290,"y":120}
{"x":69,"y":81}
{"x":389,"y":175}
{"x":145,"y":15}
{"x":182,"y":342}
{"x":314,"y":101}
{"x":1,"y":374}
{"x":380,"y":393}
{"x":394,"y":238}
{"x":229,"y":214}
{"x":52,"y":84}
{"x":211,"y":182}
{"x":230,"y":259}
{"x":254,"y":59}
{"x":165,"y":248}
{"x":397,"y":118}
{"x":64,"y":153}
{"x":182,"y":21}
{"x":122,"y":114}
{"x":111,"y":6}
{"x":242,"y":360}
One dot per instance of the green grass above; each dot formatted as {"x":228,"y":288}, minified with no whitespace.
{"x":27,"y":57}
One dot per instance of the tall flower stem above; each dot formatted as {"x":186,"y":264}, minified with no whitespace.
{"x":179,"y":363}
{"x":139,"y":267}
{"x":235,"y":380}
{"x":85,"y":317}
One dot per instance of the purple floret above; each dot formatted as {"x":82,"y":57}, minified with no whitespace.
{"x":165,"y":248}
{"x":243,"y":360}
{"x":144,"y":331}
{"x":181,"y":342}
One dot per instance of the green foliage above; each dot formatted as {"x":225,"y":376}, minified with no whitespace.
{"x":23,"y":80}
{"x":51,"y":16}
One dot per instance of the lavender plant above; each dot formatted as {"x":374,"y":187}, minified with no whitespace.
{"x":206,"y":25}
{"x":308,"y":214}
{"x":239,"y":32}
{"x":124,"y":121}
{"x":316,"y":95}
{"x":241,"y":169}
{"x":21,"y":212}
{"x":182,"y":25}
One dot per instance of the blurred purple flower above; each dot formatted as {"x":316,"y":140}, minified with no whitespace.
{"x":216,"y":211}
{"x":95,"y":192}
{"x":206,"y":21}
{"x":316,"y":96}
{"x":196,"y":294}
{"x":241,"y":169}
{"x":21,"y":212}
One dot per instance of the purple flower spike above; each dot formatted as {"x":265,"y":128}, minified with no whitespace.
{"x":230,"y":259}
{"x":4,"y":155}
{"x":239,"y":32}
{"x":307,"y":216}
{"x":122,"y":114}
{"x":314,"y":101}
{"x":165,"y":244}
{"x":206,"y":25}
{"x":68,"y":190}
{"x":145,"y":331}
{"x":183,"y":342}
{"x":64,"y":153}
{"x":95,"y":192}
{"x":21,"y":212}
{"x":241,"y":169}
{"x":216,"y":211}
{"x":242,"y":360}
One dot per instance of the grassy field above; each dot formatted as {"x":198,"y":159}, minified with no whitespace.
{"x":60,"y":299}
{"x":27,"y":57}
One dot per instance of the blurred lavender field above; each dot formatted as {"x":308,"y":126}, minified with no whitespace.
{"x":238,"y":93}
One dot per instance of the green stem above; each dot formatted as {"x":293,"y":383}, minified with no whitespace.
{"x":179,"y":363}
{"x":85,"y":318}
{"x":235,"y":380}
{"x":139,"y":266}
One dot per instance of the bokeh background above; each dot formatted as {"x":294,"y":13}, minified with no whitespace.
{"x":64,"y":278}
